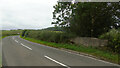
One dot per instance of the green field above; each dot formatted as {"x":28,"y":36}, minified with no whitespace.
{"x":10,"y":32}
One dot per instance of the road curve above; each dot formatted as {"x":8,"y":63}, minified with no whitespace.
{"x":19,"y":52}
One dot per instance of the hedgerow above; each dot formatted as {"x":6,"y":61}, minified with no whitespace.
{"x":50,"y":36}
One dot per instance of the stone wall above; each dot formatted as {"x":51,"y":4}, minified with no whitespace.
{"x":88,"y":41}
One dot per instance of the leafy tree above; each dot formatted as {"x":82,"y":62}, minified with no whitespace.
{"x":86,"y":18}
{"x":62,"y":13}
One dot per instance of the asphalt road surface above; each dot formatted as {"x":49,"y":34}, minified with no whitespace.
{"x":19,"y":52}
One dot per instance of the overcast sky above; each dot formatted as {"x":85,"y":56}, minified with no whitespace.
{"x":26,"y":14}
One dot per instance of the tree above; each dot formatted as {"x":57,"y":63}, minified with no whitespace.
{"x":62,"y":13}
{"x":86,"y":18}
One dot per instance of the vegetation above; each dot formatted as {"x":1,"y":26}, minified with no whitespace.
{"x":113,"y":37}
{"x":50,"y":36}
{"x":60,"y":39}
{"x":105,"y":55}
{"x":10,"y":33}
{"x":87,"y":19}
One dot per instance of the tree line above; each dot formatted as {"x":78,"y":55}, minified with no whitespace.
{"x":87,"y":19}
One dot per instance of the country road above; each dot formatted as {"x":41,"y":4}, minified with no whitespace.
{"x":19,"y":52}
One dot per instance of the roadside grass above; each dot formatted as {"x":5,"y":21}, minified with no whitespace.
{"x":3,"y":37}
{"x":100,"y":54}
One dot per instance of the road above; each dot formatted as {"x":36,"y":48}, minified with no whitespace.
{"x":19,"y":52}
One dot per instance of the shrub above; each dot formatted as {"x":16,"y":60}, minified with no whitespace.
{"x":23,"y":33}
{"x":113,"y":37}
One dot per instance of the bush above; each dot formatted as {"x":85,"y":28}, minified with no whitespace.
{"x":50,"y":36}
{"x":113,"y":37}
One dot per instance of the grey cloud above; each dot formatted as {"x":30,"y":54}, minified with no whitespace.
{"x":26,"y":14}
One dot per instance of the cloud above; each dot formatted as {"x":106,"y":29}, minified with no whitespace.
{"x":24,"y":14}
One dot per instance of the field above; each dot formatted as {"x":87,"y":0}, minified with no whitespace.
{"x":10,"y":32}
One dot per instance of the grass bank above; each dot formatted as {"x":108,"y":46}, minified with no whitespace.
{"x":1,"y":37}
{"x":104,"y":55}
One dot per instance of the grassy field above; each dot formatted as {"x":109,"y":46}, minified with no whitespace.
{"x":11,"y":32}
{"x":5,"y":33}
{"x":104,"y":55}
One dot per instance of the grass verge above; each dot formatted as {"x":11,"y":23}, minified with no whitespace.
{"x":104,"y":55}
{"x":3,"y":37}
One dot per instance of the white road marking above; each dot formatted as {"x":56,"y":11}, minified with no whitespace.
{"x":56,"y":61}
{"x":16,"y":41}
{"x":26,"y":46}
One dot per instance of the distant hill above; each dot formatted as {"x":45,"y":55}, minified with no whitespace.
{"x":54,"y":29}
